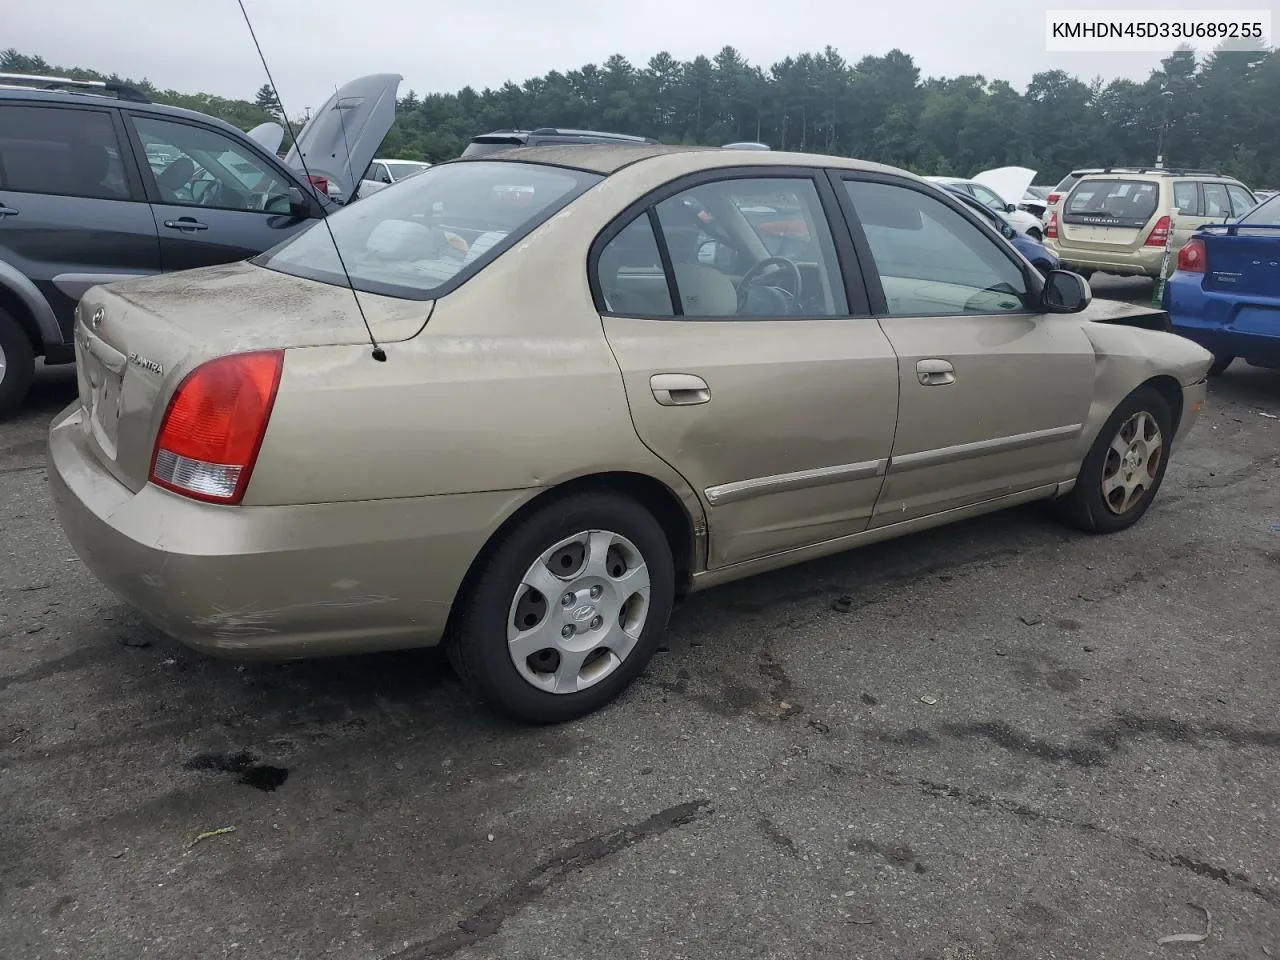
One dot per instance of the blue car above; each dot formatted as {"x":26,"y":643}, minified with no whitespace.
{"x":1041,"y":257}
{"x":1225,"y":292}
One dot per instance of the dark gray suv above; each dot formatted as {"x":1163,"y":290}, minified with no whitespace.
{"x":98,"y":184}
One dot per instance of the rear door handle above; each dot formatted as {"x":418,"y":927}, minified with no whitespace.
{"x":7,"y":211}
{"x":679,"y":389}
{"x":186,"y":224}
{"x":935,"y":373}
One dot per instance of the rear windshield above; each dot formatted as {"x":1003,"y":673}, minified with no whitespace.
{"x":1265,"y":214}
{"x":1113,"y":203}
{"x":478,"y":148}
{"x":401,"y":170}
{"x":433,"y":231}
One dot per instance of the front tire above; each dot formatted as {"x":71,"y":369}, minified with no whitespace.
{"x":566,"y":610}
{"x":1124,"y":468}
{"x":17,"y":364}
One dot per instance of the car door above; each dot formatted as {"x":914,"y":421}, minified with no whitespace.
{"x":72,"y":213}
{"x":993,"y":393}
{"x":215,"y":198}
{"x":763,"y":381}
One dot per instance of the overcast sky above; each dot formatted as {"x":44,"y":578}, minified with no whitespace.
{"x":313,"y":45}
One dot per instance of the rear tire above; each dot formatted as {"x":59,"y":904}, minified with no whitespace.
{"x":1220,"y":365}
{"x":17,"y":364}
{"x":540,"y":658}
{"x":1124,"y":468}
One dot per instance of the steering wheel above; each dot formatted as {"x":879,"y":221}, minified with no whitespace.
{"x":760,"y":272}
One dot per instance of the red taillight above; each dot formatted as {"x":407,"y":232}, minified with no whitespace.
{"x":1191,"y":257}
{"x":1051,"y":230}
{"x":1159,"y":233}
{"x":319,"y":182}
{"x":1053,"y":198}
{"x":212,"y":431}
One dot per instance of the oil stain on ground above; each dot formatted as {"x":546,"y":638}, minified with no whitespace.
{"x":260,"y":776}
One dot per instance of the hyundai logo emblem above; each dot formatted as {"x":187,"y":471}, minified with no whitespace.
{"x":96,"y":320}
{"x":583,"y":611}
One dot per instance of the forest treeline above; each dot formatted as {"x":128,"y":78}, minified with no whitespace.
{"x":1217,"y":111}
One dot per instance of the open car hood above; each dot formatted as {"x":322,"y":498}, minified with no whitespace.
{"x":1009,"y":182}
{"x":268,"y":136}
{"x":341,"y":139}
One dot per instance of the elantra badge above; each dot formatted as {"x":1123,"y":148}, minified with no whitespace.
{"x":146,"y":364}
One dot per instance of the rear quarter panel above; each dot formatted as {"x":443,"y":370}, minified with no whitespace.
{"x":511,"y":386}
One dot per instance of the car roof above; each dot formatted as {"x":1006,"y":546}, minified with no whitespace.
{"x":95,"y":100}
{"x":607,"y":158}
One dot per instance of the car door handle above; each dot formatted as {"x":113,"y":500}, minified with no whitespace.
{"x":679,"y":389}
{"x":186,"y":224}
{"x":935,"y":373}
{"x":7,"y":211}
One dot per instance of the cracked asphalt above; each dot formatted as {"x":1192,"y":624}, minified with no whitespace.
{"x":998,"y":739}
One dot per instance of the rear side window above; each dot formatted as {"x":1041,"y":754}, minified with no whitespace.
{"x":1112,"y":203}
{"x":65,"y":151}
{"x":1186,"y":197}
{"x":1069,"y":181}
{"x":630,"y":273}
{"x":433,"y":231}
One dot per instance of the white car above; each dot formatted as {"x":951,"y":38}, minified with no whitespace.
{"x":383,"y":173}
{"x":992,"y":188}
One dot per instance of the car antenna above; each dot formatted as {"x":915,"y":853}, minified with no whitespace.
{"x":378,"y":353}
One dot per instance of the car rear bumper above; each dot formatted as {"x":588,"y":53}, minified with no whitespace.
{"x":1225,"y":325}
{"x":275,"y":582}
{"x":1145,"y":261}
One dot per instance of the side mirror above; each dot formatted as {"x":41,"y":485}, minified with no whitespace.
{"x":298,"y":205}
{"x":1010,"y":208}
{"x":1008,"y":231}
{"x":1065,"y":292}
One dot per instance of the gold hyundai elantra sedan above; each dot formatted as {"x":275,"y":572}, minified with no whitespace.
{"x":520,"y":404}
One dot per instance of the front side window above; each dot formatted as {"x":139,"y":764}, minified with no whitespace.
{"x":932,"y":261}
{"x":1242,"y":201}
{"x":194,"y":166}
{"x":63,"y":151}
{"x":988,"y":198}
{"x":753,"y":247}
{"x":437,"y":228}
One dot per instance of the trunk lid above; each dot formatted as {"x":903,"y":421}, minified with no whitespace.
{"x":340,"y":141}
{"x":136,"y":340}
{"x":1243,"y":260}
{"x":1112,"y":215}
